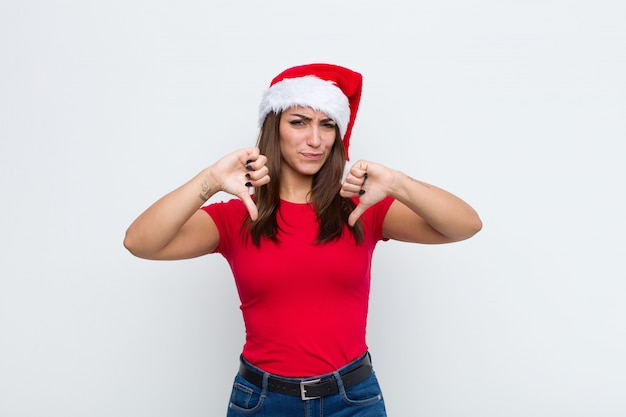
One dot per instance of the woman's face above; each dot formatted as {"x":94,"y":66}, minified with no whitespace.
{"x":306,"y":139}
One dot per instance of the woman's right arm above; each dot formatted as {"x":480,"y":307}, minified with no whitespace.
{"x":175,"y":228}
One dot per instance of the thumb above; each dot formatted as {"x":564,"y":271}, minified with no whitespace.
{"x":356,"y":214}
{"x":249,"y":204}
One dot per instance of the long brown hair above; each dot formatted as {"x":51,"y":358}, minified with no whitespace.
{"x":331,"y":209}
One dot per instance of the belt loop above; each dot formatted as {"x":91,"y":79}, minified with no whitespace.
{"x":265,"y":387}
{"x":337,"y":380}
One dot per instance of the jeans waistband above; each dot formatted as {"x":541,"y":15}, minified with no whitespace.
{"x":313,"y":387}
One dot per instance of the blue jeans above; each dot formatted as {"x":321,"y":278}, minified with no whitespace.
{"x":361,"y":400}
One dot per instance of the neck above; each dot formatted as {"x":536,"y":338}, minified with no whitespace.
{"x":296,"y":189}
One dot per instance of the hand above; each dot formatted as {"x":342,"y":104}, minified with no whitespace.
{"x":237,"y":172}
{"x":368,"y":181}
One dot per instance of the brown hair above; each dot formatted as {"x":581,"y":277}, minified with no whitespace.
{"x":331,"y":209}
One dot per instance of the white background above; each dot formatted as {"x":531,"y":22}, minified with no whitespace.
{"x":516,"y":106}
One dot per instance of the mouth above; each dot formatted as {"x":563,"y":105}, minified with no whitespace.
{"x":312,"y":156}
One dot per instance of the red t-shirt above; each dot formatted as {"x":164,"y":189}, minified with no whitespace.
{"x":304,"y":304}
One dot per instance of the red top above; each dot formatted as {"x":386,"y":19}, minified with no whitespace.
{"x":304,"y":305}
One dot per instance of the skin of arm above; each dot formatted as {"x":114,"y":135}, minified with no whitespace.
{"x":175,"y":228}
{"x":421,"y":213}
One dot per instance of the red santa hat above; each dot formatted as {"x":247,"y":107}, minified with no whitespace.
{"x":331,"y":89}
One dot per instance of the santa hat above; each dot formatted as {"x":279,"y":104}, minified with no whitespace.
{"x":331,"y":89}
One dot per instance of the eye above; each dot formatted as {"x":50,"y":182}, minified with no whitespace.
{"x":296,"y":122}
{"x":330,"y":125}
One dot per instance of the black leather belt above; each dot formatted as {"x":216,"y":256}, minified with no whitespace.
{"x":309,"y":389}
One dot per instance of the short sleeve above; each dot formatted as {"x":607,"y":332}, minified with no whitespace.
{"x":374,"y":217}
{"x":229,"y":217}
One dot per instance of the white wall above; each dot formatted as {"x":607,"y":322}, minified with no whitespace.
{"x":518,"y":107}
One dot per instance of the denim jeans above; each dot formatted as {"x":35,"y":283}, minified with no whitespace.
{"x":361,"y":400}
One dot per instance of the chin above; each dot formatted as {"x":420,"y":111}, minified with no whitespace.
{"x":310,"y":168}
{"x":309,"y":172}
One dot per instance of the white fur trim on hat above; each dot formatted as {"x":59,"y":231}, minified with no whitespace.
{"x":308,"y":91}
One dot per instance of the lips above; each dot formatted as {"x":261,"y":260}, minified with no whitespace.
{"x":312,"y":156}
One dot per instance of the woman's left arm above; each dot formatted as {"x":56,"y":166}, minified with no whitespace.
{"x":421,"y":213}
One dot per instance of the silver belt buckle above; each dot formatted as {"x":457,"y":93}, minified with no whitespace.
{"x":303,"y":386}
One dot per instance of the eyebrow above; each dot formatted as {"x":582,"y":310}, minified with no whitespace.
{"x":328,"y":119}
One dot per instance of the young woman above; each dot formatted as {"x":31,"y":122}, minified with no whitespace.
{"x":301,"y":247}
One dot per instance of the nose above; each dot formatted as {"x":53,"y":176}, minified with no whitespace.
{"x":314,"y":138}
